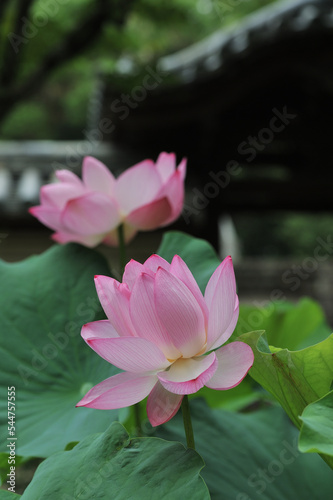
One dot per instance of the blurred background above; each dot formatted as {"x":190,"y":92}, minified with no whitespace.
{"x":242,"y":88}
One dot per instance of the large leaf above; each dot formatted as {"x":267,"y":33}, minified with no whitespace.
{"x":317,"y":426}
{"x":44,"y":301}
{"x":8,"y":495}
{"x":287,"y":325}
{"x":252,"y":456}
{"x":198,"y":254}
{"x":295,"y":378}
{"x":112,"y":466}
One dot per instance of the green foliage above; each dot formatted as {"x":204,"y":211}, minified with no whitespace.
{"x":8,"y":495}
{"x":287,"y":325}
{"x":30,"y":116}
{"x":45,"y":300}
{"x":317,"y":426}
{"x":111,"y":465}
{"x":245,"y":455}
{"x":150,"y":29}
{"x":294,"y":378}
{"x":252,"y":456}
{"x":278,"y":234}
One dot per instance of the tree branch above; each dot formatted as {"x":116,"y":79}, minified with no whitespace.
{"x":76,"y":42}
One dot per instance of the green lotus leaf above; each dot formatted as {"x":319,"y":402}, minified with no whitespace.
{"x":113,"y":466}
{"x":44,"y":301}
{"x":317,"y":426}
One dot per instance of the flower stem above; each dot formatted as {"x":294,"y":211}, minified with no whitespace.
{"x":122,"y":248}
{"x":187,"y":423}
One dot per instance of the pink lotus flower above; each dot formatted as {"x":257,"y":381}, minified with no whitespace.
{"x":144,"y":197}
{"x":162,"y":331}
